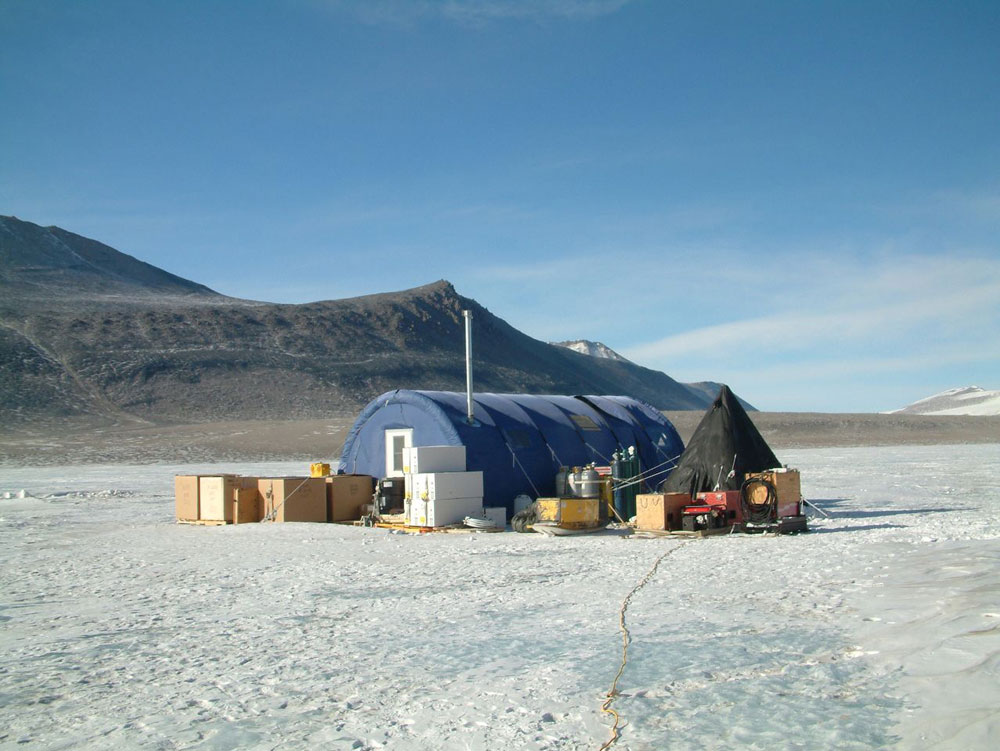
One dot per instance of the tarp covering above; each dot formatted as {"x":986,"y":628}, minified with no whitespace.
{"x":518,"y":441}
{"x":725,"y":446}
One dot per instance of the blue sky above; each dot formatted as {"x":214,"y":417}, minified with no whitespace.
{"x":801,"y":199}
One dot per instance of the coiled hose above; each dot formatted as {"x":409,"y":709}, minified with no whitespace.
{"x":759,"y":513}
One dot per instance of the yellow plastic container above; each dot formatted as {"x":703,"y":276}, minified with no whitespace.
{"x":319,"y":469}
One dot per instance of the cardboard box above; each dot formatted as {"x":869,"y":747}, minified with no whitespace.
{"x":186,"y":497}
{"x":215,"y":497}
{"x":731,"y":499}
{"x":443,"y":485}
{"x":660,"y":511}
{"x":346,"y":494}
{"x":294,"y":499}
{"x":248,"y":506}
{"x":443,"y":511}
{"x":424,"y":459}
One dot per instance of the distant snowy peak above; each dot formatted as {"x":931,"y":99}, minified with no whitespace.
{"x":966,"y":400}
{"x":594,"y":349}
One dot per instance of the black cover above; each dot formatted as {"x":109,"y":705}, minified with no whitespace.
{"x":725,"y":446}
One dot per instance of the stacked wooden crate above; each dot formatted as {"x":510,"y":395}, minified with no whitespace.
{"x":236,"y":499}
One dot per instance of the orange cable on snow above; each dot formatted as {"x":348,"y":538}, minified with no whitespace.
{"x":626,"y":640}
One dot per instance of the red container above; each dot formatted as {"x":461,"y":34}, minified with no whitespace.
{"x":728,"y":498}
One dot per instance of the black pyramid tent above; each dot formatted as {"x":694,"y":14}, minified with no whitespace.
{"x":725,"y":446}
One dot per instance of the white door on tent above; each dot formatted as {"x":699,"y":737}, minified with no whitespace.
{"x":395,"y":441}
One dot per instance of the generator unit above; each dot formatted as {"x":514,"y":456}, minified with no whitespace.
{"x":731,"y":499}
{"x":698,"y":518}
{"x":389,"y":494}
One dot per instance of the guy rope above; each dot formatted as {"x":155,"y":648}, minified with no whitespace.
{"x":271,"y":515}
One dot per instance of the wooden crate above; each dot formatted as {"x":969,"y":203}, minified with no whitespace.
{"x":186,"y":497}
{"x":787,"y":485}
{"x":346,"y":494}
{"x":215,"y":497}
{"x":660,"y":511}
{"x":294,"y":499}
{"x":248,"y":506}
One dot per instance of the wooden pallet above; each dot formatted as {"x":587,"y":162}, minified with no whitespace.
{"x":459,"y":529}
{"x":204,"y":522}
{"x":684,"y":532}
{"x":786,"y":525}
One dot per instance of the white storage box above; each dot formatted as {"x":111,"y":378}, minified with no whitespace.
{"x":423,"y":459}
{"x":497,"y":515}
{"x":442,"y":512}
{"x":435,"y":486}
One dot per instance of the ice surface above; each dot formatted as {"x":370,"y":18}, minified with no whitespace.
{"x":881,"y":628}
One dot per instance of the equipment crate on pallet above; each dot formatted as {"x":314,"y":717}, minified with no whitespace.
{"x":248,"y":506}
{"x":294,"y":499}
{"x":434,"y":486}
{"x":660,"y":511}
{"x":186,"y":505}
{"x":787,"y":486}
{"x":425,"y":459}
{"x":215,"y":497}
{"x":441,"y":512}
{"x":346,"y":494}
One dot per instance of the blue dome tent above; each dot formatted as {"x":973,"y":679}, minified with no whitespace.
{"x":518,"y":441}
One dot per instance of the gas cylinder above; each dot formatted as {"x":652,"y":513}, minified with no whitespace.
{"x":590,"y":483}
{"x":573,"y":480}
{"x":562,"y":482}
{"x":633,"y":471}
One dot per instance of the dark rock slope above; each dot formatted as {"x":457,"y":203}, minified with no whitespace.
{"x":86,"y":329}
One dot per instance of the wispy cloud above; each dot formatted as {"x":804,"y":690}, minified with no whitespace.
{"x":557,"y":270}
{"x":909,"y":296}
{"x":981,"y":205}
{"x":833,"y":379}
{"x":955,"y":208}
{"x":836,"y":367}
{"x":374,"y":210}
{"x":474,"y":13}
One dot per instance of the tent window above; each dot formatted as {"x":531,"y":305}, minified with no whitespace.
{"x":518,"y":439}
{"x":395,"y":442}
{"x":583,"y":422}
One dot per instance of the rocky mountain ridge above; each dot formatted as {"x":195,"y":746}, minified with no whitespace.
{"x":86,"y":330}
{"x":587,"y":347}
{"x":49,"y":261}
{"x":708,"y":389}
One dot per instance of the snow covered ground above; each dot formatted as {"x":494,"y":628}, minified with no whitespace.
{"x":966,"y":400}
{"x":881,"y":628}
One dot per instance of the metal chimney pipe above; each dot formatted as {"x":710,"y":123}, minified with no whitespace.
{"x":471,"y":414}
